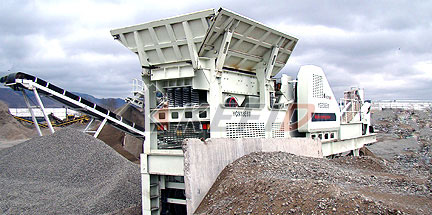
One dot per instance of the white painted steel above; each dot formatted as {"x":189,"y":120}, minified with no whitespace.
{"x":337,"y":147}
{"x":88,"y":125}
{"x":315,"y":96}
{"x":100,"y":128}
{"x":251,"y":42}
{"x":41,"y":106}
{"x":237,"y":83}
{"x":186,"y":38}
{"x":30,"y":109}
{"x":174,"y":185}
{"x":165,"y":165}
{"x":168,"y":40}
{"x":176,"y":201}
{"x":351,"y":130}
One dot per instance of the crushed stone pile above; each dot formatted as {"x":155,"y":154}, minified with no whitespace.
{"x":10,"y":128}
{"x":282,"y":183}
{"x":68,"y":172}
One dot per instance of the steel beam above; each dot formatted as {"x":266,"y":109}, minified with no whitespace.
{"x":175,"y":185}
{"x":191,"y":45}
{"x":223,"y":50}
{"x":43,"y":110}
{"x":35,"y":122}
{"x":100,"y":128}
{"x":141,"y":52}
{"x":176,"y":201}
{"x":271,"y":61}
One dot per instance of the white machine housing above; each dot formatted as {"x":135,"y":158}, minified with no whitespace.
{"x":320,"y":107}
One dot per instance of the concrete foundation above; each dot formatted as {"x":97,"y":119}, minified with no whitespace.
{"x":204,"y":161}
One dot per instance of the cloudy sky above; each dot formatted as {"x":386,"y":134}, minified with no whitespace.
{"x":382,"y":46}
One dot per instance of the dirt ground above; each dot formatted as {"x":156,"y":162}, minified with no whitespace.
{"x":397,"y":179}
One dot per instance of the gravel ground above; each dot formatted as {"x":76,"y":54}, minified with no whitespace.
{"x":68,"y":172}
{"x":404,"y":137}
{"x":281,"y":183}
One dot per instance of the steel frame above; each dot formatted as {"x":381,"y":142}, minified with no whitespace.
{"x":33,"y":85}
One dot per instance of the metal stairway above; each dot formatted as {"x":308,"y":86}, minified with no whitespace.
{"x":138,"y":95}
{"x":22,"y":81}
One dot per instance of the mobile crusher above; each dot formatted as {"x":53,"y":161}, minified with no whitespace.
{"x":214,"y":74}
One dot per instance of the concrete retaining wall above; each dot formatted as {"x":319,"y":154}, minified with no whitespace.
{"x":204,"y":161}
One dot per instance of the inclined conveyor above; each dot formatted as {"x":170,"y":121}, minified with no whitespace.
{"x":22,"y":81}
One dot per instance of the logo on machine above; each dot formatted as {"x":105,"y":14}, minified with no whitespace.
{"x":319,"y":117}
{"x":245,"y":113}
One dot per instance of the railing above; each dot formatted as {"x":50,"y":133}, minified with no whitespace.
{"x":137,"y":86}
{"x":349,"y":109}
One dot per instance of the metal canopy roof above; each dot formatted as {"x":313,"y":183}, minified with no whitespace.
{"x":187,"y":37}
{"x":167,"y":40}
{"x":251,"y":42}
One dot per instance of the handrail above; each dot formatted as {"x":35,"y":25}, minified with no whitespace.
{"x":346,"y":105}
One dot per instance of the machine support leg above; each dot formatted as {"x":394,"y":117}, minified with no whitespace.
{"x":146,"y":200}
{"x":100,"y":128}
{"x":43,"y":110}
{"x":356,"y":152}
{"x":88,"y":125}
{"x":32,"y":114}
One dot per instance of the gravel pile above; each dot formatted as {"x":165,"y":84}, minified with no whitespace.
{"x":10,"y":128}
{"x":281,"y":183}
{"x":68,"y":172}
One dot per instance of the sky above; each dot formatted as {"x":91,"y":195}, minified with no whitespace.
{"x":384,"y":47}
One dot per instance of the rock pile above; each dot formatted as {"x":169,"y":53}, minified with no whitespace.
{"x":10,"y":128}
{"x":281,"y":183}
{"x":68,"y":172}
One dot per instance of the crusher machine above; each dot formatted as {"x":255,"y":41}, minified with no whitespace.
{"x":214,"y":74}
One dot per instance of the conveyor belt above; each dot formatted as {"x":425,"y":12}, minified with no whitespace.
{"x":21,"y":80}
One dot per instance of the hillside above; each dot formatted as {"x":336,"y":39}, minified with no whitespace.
{"x":14,"y":99}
